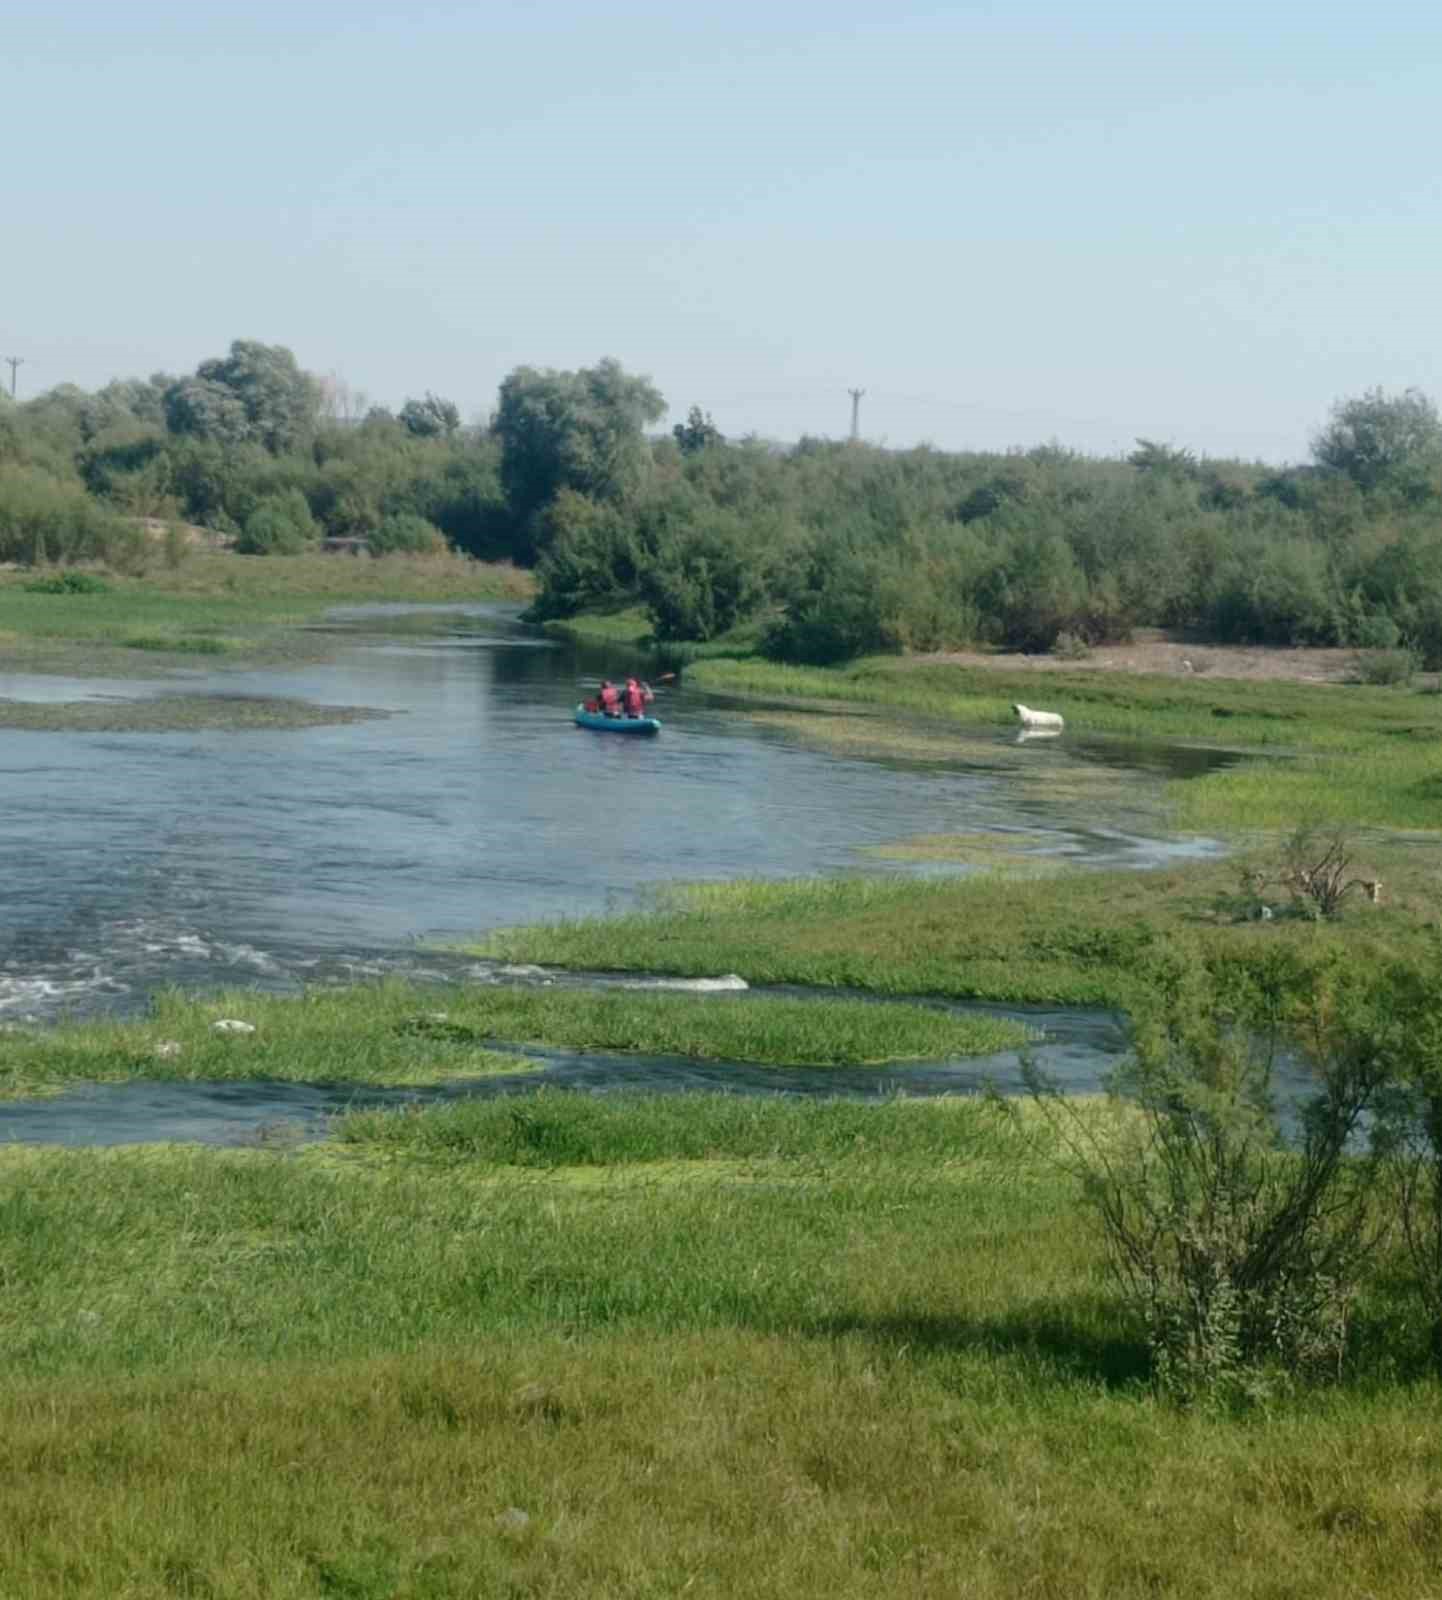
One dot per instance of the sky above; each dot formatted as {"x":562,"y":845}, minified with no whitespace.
{"x":1008,"y":223}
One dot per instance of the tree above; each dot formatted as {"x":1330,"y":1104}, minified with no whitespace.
{"x":1163,"y":459}
{"x":430,"y":418}
{"x":257,"y":394}
{"x":1382,"y":441}
{"x":573,"y":430}
{"x":698,"y":432}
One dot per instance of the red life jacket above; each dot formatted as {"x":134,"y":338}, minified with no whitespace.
{"x":635,"y":700}
{"x":610,"y":699}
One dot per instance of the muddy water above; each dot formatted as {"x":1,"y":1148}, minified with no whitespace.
{"x":281,"y":858}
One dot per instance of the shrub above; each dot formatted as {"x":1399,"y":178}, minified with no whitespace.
{"x":1384,"y":667}
{"x":1070,"y":646}
{"x":406,"y":532}
{"x":43,"y":518}
{"x":69,"y":583}
{"x":281,"y":525}
{"x":1237,"y":1250}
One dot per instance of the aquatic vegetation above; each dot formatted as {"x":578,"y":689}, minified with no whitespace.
{"x":176,"y":713}
{"x":1046,"y":933}
{"x":244,"y":610}
{"x":1353,"y":753}
{"x":397,"y":1034}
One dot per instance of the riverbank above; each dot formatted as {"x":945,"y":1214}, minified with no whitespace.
{"x":216,"y":609}
{"x":1068,"y":936}
{"x":592,"y":1346}
{"x":1349,"y":753}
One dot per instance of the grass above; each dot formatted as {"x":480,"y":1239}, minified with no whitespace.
{"x":394,"y":1034}
{"x":1069,"y":936}
{"x":704,"y":1346}
{"x":240,"y":609}
{"x":1359,"y":754}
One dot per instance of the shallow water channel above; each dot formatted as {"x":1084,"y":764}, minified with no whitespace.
{"x":280,"y":858}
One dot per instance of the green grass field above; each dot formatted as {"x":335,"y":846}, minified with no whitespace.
{"x":621,"y":1346}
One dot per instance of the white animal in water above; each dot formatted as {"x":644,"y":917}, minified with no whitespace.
{"x":1039,"y":719}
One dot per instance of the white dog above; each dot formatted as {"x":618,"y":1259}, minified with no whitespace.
{"x":1039,"y":719}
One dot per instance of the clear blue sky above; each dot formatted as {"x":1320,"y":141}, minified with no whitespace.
{"x":1008,"y":222}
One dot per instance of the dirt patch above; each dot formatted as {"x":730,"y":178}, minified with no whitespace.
{"x":1155,"y":653}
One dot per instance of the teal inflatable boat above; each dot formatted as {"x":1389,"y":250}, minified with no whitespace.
{"x":597,"y":719}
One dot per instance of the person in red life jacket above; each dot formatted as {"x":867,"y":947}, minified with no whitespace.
{"x":610,"y":698}
{"x":638,"y":695}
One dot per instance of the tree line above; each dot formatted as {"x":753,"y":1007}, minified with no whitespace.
{"x":817,"y":552}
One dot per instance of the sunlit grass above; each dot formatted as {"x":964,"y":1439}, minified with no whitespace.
{"x":643,"y":1346}
{"x":1064,"y":935}
{"x":393,"y":1034}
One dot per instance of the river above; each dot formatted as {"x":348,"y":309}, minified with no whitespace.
{"x":281,"y":858}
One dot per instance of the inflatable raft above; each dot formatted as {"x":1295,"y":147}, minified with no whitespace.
{"x":596,"y":719}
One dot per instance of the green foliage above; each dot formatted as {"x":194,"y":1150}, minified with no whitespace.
{"x":704,"y":582}
{"x":1383,"y":441}
{"x":281,"y":525}
{"x":573,"y":430}
{"x":1387,"y":666}
{"x":431,"y":418}
{"x":255,"y":394}
{"x":406,"y":531}
{"x":69,"y":583}
{"x":43,"y":518}
{"x":698,"y":432}
{"x":1240,"y":1250}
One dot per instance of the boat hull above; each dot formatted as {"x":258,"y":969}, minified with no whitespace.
{"x":604,"y":724}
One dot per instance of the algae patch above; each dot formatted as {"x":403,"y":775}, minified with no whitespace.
{"x":177,"y":713}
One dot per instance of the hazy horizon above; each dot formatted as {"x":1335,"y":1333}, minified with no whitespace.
{"x":1009,"y":225}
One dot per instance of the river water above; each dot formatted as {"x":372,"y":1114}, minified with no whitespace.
{"x":281,"y":858}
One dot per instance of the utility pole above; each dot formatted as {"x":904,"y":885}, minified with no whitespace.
{"x":12,"y":362}
{"x":856,"y":395}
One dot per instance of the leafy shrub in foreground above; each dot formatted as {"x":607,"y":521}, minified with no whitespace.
{"x":1238,"y":1248}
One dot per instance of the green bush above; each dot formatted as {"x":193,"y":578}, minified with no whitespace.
{"x":1241,"y":1252}
{"x":69,"y":583}
{"x":280,"y":525}
{"x":1385,"y":666}
{"x":406,"y":532}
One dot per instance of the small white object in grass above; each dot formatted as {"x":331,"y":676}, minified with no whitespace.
{"x":168,"y":1048}
{"x":232,"y":1025}
{"x":1039,"y":719}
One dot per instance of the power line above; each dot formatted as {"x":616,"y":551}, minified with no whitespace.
{"x":13,"y":362}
